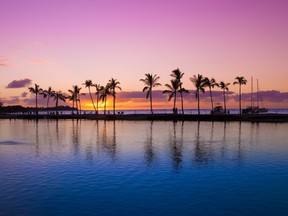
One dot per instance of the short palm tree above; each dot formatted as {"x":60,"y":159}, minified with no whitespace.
{"x":88,"y":84}
{"x":240,"y":81}
{"x":199,"y":83}
{"x":104,"y":94}
{"x":36,"y":90}
{"x":114,"y":84}
{"x":150,"y":82}
{"x":177,"y":74}
{"x":58,"y":96}
{"x":211,"y":83}
{"x":224,"y":87}
{"x":172,"y":91}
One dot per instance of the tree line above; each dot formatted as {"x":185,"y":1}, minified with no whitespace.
{"x":150,"y":81}
{"x":200,"y":83}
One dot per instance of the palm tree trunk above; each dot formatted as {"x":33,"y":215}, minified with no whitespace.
{"x":48,"y":97}
{"x":114,"y":103}
{"x":211,"y":99}
{"x":73,"y":105}
{"x":182,"y":106}
{"x":97,"y":100}
{"x":240,"y":110}
{"x":56,"y":105}
{"x":91,"y":99}
{"x":198,"y":100}
{"x":36,"y":104}
{"x":175,"y":103}
{"x":105,"y":106}
{"x":151,"y":102}
{"x":224,"y":101}
{"x":76,"y":100}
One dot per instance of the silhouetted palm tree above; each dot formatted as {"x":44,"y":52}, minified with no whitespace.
{"x":75,"y":92}
{"x":150,"y":82}
{"x":240,"y":81}
{"x":48,"y":93}
{"x":224,"y":87}
{"x":104,"y":94}
{"x":177,"y":74}
{"x":211,"y":83}
{"x":99,"y":89}
{"x":58,"y":96}
{"x":172,"y":91}
{"x":72,"y":98}
{"x":199,"y":83}
{"x":36,"y":90}
{"x":88,"y":84}
{"x":114,"y":84}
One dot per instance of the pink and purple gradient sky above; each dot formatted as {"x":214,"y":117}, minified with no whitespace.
{"x":61,"y":43}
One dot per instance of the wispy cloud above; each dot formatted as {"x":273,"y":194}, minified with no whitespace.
{"x":37,"y":62}
{"x":19,"y":83}
{"x":4,"y":62}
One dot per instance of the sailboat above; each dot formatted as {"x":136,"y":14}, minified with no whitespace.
{"x":252,"y":108}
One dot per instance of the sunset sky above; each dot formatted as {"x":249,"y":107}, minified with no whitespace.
{"x":60,"y":43}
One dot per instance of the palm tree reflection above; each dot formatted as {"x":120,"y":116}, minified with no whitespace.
{"x":203,"y":152}
{"x":75,"y":136}
{"x":239,"y":152}
{"x":149,"y":153}
{"x":176,"y":148}
{"x":37,"y":138}
{"x":108,"y":143}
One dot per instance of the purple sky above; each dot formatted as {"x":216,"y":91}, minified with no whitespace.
{"x":61,"y":43}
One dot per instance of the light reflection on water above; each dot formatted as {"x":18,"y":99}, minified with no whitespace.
{"x":79,"y":167}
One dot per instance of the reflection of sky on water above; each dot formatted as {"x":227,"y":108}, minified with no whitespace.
{"x":191,"y":143}
{"x":121,"y":167}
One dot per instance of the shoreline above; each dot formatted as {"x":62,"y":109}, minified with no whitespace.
{"x":276,"y":118}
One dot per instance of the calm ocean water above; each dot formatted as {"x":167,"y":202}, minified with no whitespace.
{"x":71,"y":167}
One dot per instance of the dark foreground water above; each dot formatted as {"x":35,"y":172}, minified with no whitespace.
{"x":143,"y":168}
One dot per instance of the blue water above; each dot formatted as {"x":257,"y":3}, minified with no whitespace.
{"x":67,"y":167}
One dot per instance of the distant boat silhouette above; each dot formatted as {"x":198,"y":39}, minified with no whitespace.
{"x":218,"y":110}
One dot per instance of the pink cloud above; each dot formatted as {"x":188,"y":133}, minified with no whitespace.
{"x":37,"y":62}
{"x":4,"y":62}
{"x":19,"y":83}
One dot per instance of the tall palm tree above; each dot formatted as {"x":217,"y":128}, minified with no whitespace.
{"x":58,"y":96}
{"x":72,"y":97}
{"x":88,"y":84}
{"x":240,"y":81}
{"x":211,"y":83}
{"x":104,"y":94}
{"x":177,"y":74}
{"x":99,"y":89}
{"x":199,"y":83}
{"x":224,"y":87}
{"x":172,"y":91}
{"x":114,"y":84}
{"x":36,"y":90}
{"x":150,"y":82}
{"x":48,"y":93}
{"x":75,"y":92}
